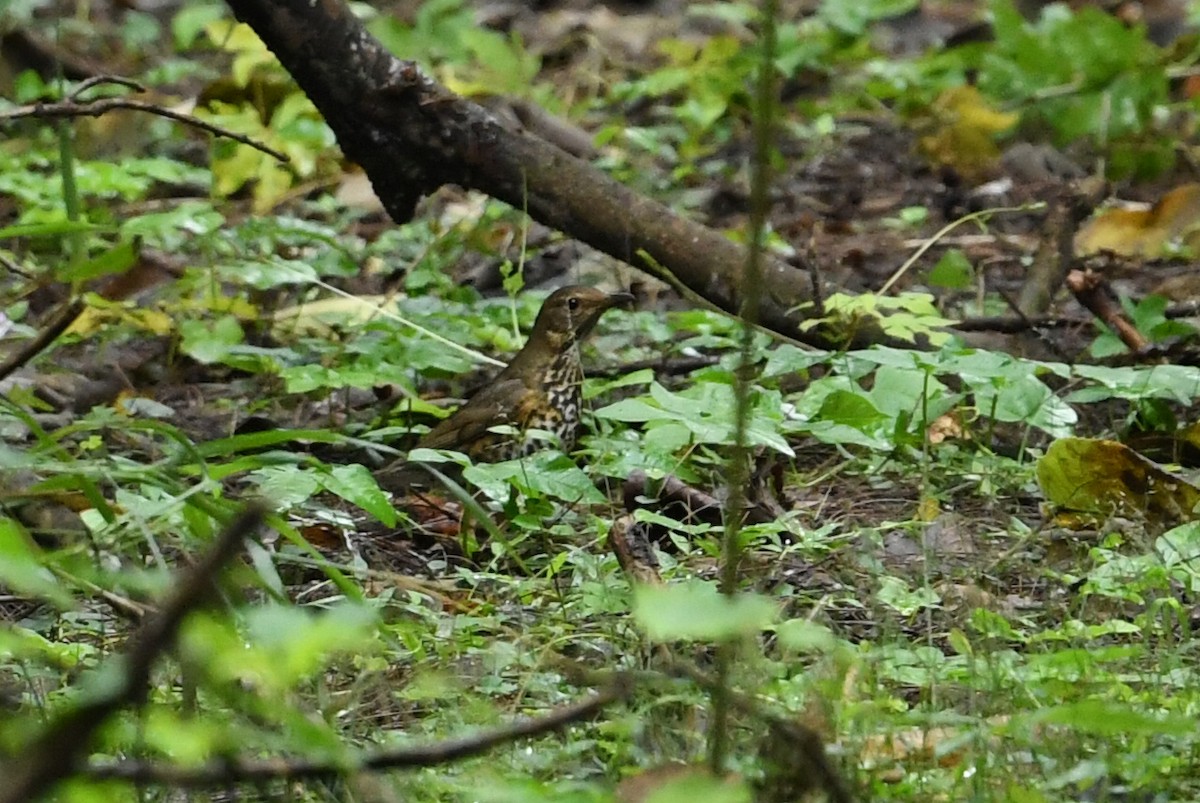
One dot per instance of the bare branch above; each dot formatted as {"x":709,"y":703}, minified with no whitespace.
{"x":62,"y":319}
{"x":233,"y":771}
{"x":412,"y":136}
{"x":95,"y":108}
{"x":1093,"y":292}
{"x":101,"y":80}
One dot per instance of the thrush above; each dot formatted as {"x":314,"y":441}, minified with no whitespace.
{"x":539,"y":390}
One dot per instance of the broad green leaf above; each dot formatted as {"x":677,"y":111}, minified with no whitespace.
{"x":286,"y":486}
{"x":706,"y":411}
{"x":852,"y":410}
{"x":282,"y":645}
{"x":697,"y":611}
{"x":115,"y":260}
{"x":1178,"y":383}
{"x":1107,"y":718}
{"x":896,"y":594}
{"x":804,"y":636}
{"x":210,"y":342}
{"x":1102,"y":476}
{"x":548,"y":473}
{"x":788,"y":359}
{"x":22,"y":569}
{"x":953,"y":271}
{"x":188,"y":739}
{"x":356,"y":484}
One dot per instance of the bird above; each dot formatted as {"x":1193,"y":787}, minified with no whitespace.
{"x":540,"y":389}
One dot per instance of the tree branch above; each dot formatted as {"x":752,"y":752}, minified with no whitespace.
{"x":99,"y":106}
{"x":412,"y":135}
{"x":233,"y":771}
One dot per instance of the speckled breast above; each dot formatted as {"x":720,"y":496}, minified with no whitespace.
{"x":559,"y":414}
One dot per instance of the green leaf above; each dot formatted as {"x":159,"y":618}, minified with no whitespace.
{"x":286,"y":486}
{"x":1177,"y":383}
{"x":22,"y":569}
{"x":283,"y":644}
{"x":210,"y":342}
{"x":697,"y":611}
{"x":896,"y":594}
{"x":788,"y":359}
{"x":699,"y":786}
{"x":953,"y":271}
{"x":1105,"y":718}
{"x":548,"y":473}
{"x":804,"y":636}
{"x":850,"y":409}
{"x":192,"y":18}
{"x":253,"y":441}
{"x":356,"y":484}
{"x":55,"y":228}
{"x":706,"y":411}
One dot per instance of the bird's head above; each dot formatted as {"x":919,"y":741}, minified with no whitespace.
{"x":570,"y":313}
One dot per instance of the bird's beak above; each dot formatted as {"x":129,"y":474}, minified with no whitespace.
{"x":620,"y":300}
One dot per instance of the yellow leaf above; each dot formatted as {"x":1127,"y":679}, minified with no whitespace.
{"x":317,"y":317}
{"x":1101,"y":476}
{"x":928,"y":509}
{"x":1142,"y":232}
{"x":96,"y":317}
{"x":964,"y":131}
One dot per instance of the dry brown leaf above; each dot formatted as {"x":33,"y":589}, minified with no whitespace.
{"x":1143,"y":232}
{"x":941,"y":745}
{"x":948,"y":426}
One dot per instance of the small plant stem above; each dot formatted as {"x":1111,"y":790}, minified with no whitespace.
{"x":445,"y":341}
{"x":739,"y":458}
{"x":76,"y":244}
{"x":982,"y":216}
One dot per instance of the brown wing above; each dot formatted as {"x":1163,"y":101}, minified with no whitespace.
{"x":496,"y":405}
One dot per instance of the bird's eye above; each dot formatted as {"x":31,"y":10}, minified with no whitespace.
{"x":573,"y":303}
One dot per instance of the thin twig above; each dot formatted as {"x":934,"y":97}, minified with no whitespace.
{"x":662,"y":366}
{"x":45,"y":336}
{"x":233,"y":771}
{"x":1008,"y":324}
{"x":97,"y":80}
{"x":51,"y":757}
{"x":478,"y":356}
{"x":100,"y":106}
{"x":126,"y":607}
{"x":1050,"y":344}
{"x":982,"y":215}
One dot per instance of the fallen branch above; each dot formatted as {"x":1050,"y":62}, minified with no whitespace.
{"x":235,"y":771}
{"x":61,"y":321}
{"x":1094,"y":293}
{"x":412,"y":136}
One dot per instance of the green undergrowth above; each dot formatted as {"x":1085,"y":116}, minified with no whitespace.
{"x":904,"y":596}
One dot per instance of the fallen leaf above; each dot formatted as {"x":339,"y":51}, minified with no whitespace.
{"x":1102,"y":476}
{"x":1144,"y":231}
{"x":964,"y":131}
